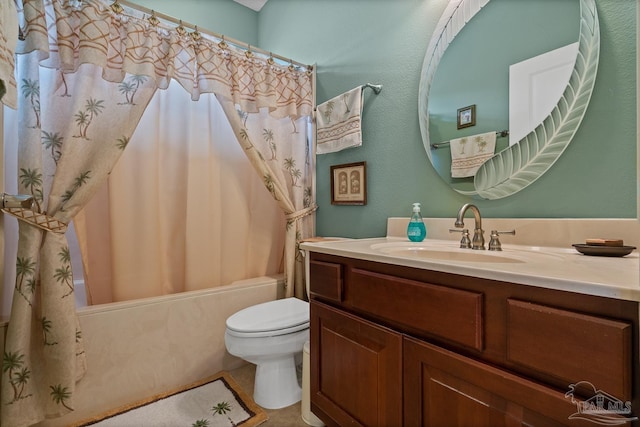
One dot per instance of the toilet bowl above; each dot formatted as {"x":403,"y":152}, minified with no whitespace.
{"x":271,"y":335}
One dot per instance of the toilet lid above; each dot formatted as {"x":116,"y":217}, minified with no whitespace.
{"x":281,"y":316}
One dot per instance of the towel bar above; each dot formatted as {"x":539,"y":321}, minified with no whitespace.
{"x":500,"y":134}
{"x":376,"y":88}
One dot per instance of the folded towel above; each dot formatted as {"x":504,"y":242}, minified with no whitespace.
{"x":339,"y":122}
{"x":470,"y":152}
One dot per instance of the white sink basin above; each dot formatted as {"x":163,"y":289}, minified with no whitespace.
{"x":447,"y":252}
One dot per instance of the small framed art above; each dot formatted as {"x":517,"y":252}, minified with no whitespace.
{"x":349,"y":184}
{"x":467,"y":116}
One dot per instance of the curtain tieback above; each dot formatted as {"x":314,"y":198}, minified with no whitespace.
{"x":294,"y":216}
{"x":40,"y":220}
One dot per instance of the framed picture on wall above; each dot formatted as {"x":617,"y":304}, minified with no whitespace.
{"x":349,"y":184}
{"x":467,"y":116}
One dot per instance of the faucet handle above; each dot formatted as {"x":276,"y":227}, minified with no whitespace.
{"x":494,"y":243}
{"x":465,"y":242}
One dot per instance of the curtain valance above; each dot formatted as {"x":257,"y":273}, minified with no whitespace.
{"x":122,"y":43}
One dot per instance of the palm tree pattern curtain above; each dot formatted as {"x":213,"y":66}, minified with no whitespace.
{"x":70,"y":136}
{"x":72,"y":129}
{"x":280,"y":149}
{"x":8,"y":37}
{"x":74,"y":126}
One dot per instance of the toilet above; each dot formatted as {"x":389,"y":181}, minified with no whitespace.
{"x":271,"y":335}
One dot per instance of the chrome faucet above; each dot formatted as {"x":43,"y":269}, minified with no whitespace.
{"x":478,"y":232}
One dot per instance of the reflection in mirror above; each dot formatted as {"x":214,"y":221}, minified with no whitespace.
{"x":535,"y":86}
{"x":469,"y":64}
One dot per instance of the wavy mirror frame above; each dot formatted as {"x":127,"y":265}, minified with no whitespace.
{"x":519,"y":165}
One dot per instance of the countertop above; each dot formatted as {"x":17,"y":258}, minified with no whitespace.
{"x":547,"y":267}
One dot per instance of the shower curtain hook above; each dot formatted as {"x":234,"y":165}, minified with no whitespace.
{"x":222,"y":44}
{"x":270,"y":61}
{"x":152,"y":19}
{"x":291,"y":66}
{"x":180,"y":29}
{"x":196,"y":35}
{"x":116,"y":8}
{"x":248,"y":53}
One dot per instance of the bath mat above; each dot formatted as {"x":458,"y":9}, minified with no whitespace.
{"x":215,"y":401}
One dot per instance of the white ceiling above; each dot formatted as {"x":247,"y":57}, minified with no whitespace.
{"x":252,"y":4}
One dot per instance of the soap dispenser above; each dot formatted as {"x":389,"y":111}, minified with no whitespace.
{"x":416,"y":231}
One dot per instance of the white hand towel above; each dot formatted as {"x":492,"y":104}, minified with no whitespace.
{"x":339,"y":122}
{"x":470,"y":152}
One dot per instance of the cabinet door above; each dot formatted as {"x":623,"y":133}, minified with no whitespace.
{"x":356,"y":370}
{"x":443,"y":389}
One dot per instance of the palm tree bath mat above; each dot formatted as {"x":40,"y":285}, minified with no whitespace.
{"x":214,"y":402}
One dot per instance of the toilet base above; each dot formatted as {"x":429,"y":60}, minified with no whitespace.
{"x":276,"y":384}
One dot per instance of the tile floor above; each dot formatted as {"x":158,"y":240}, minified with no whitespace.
{"x":291,"y":416}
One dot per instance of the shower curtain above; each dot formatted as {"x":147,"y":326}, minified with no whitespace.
{"x":198,"y":215}
{"x":287,"y":169}
{"x":85,"y":74}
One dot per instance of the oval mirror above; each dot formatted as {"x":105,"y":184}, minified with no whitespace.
{"x":456,"y":99}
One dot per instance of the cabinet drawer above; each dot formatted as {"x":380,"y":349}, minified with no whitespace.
{"x":326,"y":280}
{"x":417,"y":307}
{"x":570,"y":346}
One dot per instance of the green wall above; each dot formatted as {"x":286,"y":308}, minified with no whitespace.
{"x":359,"y":41}
{"x":383,"y":41}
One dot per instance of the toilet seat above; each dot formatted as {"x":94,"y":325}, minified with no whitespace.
{"x":279,"y":317}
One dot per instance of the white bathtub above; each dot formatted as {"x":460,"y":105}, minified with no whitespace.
{"x":80,"y":293}
{"x":141,"y":348}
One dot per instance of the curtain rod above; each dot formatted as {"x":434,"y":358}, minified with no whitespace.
{"x":238,"y":43}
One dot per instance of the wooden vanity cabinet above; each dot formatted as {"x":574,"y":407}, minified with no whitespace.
{"x":399,"y":346}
